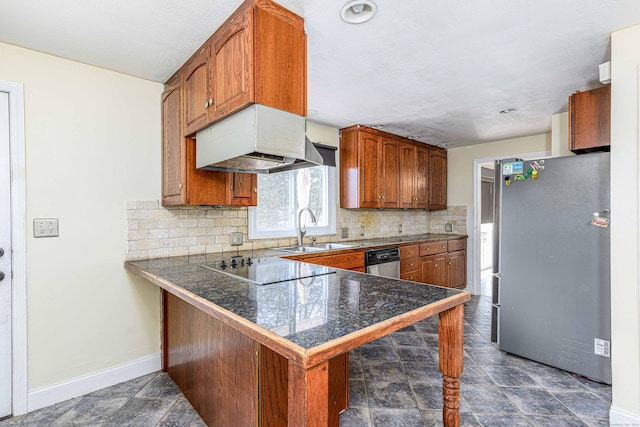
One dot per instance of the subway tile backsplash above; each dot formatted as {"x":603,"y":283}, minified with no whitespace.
{"x":156,"y":231}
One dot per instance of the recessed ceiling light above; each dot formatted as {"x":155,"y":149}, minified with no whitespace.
{"x":414,"y":137}
{"x":378,"y":126}
{"x":508,"y":110}
{"x":358,"y":11}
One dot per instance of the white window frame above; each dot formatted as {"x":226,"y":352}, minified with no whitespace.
{"x":330,"y":228}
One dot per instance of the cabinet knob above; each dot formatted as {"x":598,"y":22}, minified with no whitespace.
{"x":210,"y":101}
{"x":255,"y":189}
{"x":382,"y":197}
{"x":435,"y":265}
{"x":410,"y":265}
{"x":206,"y":104}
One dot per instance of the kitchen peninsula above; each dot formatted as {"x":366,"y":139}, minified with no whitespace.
{"x":277,"y":355}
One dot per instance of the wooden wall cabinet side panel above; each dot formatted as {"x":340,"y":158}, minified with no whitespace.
{"x":273,"y":392}
{"x":422,"y":178}
{"x":197,"y":94}
{"x":434,"y":269}
{"x":437,"y":179}
{"x":407,"y":175}
{"x":173,"y":146}
{"x":369,"y":152}
{"x":457,"y":269}
{"x":390,"y":182}
{"x":349,"y":170}
{"x":280,"y":59}
{"x":232,"y":65}
{"x":590,"y":120}
{"x":243,"y":189}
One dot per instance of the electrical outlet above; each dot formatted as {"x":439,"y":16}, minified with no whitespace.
{"x":399,"y":228}
{"x":362,"y":230}
{"x":236,"y":238}
{"x":448,"y":227}
{"x":45,"y":227}
{"x":345,"y":232}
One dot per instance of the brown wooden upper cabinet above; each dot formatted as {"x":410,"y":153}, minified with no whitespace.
{"x":590,"y":120}
{"x":182,"y":183}
{"x":381,"y":170}
{"x":414,"y":176}
{"x":259,"y":55}
{"x":437,"y":179}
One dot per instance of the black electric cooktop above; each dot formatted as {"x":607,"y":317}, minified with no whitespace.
{"x":265,"y":271}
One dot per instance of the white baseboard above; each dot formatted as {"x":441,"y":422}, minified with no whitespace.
{"x":621,"y":418}
{"x":49,"y":395}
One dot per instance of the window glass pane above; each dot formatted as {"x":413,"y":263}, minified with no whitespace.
{"x":274,"y":202}
{"x":282,"y":195}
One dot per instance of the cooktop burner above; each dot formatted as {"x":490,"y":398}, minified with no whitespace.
{"x":265,"y":271}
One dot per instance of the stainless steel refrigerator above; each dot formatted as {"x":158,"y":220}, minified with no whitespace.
{"x":551,"y":284}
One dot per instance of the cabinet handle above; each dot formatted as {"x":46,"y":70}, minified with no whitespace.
{"x":206,"y":104}
{"x":210,"y":101}
{"x":382,"y":197}
{"x":410,"y":265}
{"x":435,"y":265}
{"x":255,"y":189}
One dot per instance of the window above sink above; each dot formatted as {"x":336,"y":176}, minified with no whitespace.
{"x":281,"y":195}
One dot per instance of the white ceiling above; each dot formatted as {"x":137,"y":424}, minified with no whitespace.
{"x":440,"y":69}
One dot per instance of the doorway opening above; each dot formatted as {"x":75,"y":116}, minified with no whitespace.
{"x":486,"y":227}
{"x":12,"y":146}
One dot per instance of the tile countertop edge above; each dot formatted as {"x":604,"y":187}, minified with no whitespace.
{"x":291,"y":351}
{"x":281,"y":345}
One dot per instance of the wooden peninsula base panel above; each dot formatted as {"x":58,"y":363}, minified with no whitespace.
{"x":232,"y":380}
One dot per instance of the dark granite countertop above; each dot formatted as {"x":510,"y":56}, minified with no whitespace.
{"x":305,"y":312}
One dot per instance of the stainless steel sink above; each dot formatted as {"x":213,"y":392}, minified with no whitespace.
{"x":314,"y":248}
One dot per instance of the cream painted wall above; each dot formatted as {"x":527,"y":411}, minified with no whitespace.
{"x":625,"y":293}
{"x":92,"y":143}
{"x":560,"y":135}
{"x":323,"y":134}
{"x":460,"y":163}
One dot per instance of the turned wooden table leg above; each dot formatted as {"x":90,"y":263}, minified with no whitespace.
{"x":451,"y":360}
{"x":308,"y":402}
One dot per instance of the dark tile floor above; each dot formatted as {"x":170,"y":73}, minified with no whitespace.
{"x":394,"y":381}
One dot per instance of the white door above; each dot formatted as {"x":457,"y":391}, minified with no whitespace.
{"x":5,"y":259}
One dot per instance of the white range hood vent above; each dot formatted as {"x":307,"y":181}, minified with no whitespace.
{"x":259,"y":139}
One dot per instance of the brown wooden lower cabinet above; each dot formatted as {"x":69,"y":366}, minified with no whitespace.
{"x":349,"y":261}
{"x":442,"y":263}
{"x":230,"y":379}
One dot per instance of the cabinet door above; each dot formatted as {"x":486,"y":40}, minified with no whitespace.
{"x":390,"y":185}
{"x":422,"y":178}
{"x":173,"y":147}
{"x":437,"y":179}
{"x":457,"y":269}
{"x":407,"y":175}
{"x":232,"y":65}
{"x":243,"y":189}
{"x":370,"y":197}
{"x":434,"y":269}
{"x":590,"y":120}
{"x":196,"y":92}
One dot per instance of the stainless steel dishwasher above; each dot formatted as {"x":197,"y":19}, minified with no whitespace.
{"x":383,"y":262}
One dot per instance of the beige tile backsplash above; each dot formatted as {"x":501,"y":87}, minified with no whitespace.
{"x":156,"y":231}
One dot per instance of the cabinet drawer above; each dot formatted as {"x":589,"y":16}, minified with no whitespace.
{"x":456,"y":245}
{"x":409,"y":251}
{"x":414,"y":276}
{"x":353,"y":260}
{"x":433,"y":248}
{"x":411,"y":264}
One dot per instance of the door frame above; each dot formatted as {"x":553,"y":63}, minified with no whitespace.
{"x":475,"y":237}
{"x":20,"y":387}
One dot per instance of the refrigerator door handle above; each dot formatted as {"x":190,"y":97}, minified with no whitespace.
{"x":497,"y":275}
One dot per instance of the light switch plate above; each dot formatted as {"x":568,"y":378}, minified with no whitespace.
{"x":45,"y":227}
{"x":345,"y":232}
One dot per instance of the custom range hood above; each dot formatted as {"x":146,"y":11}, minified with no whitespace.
{"x":259,"y":139}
